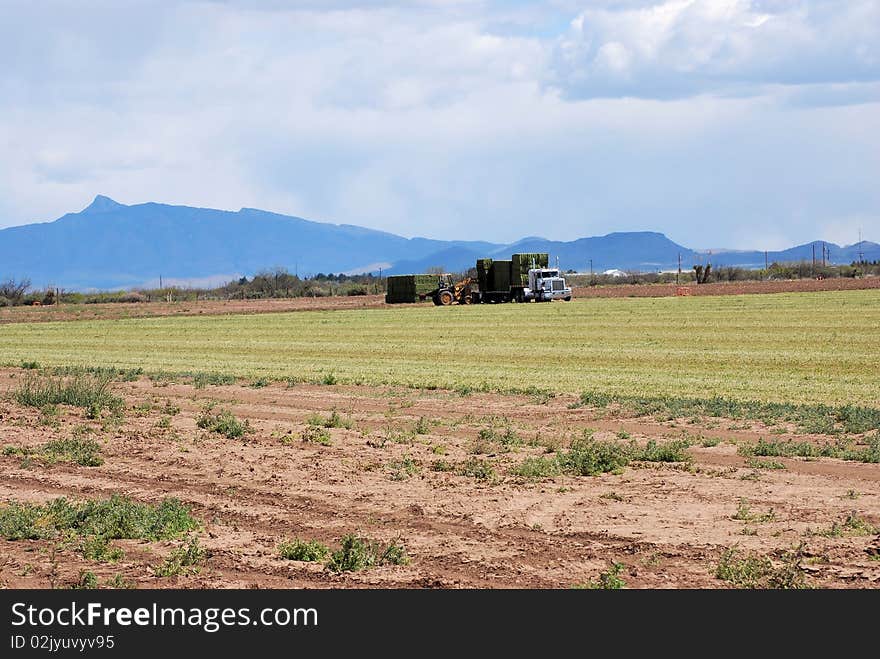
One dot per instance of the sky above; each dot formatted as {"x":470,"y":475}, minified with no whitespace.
{"x":721,"y":123}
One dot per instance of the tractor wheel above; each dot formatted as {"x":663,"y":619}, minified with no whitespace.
{"x":466,"y":298}
{"x":445,"y":298}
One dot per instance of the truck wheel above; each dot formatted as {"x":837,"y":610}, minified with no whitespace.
{"x":445,"y":298}
{"x":568,"y":298}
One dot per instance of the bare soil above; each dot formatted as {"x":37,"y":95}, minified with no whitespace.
{"x":667,"y":523}
{"x":729,"y":288}
{"x":112,"y":310}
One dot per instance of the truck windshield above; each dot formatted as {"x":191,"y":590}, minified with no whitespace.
{"x":549,"y":273}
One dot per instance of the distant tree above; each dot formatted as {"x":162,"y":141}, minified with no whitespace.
{"x":14,"y":290}
{"x":435,"y":270}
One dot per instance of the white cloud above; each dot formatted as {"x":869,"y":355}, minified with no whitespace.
{"x":439,"y":120}
{"x":685,"y":47}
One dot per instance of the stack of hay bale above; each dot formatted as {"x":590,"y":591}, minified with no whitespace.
{"x":499,"y":276}
{"x":409,"y":288}
{"x":483,"y":268}
{"x":522,"y":263}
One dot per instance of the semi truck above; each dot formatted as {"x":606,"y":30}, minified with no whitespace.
{"x":524,"y":278}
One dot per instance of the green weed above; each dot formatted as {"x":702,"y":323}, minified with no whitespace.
{"x":223,"y":423}
{"x":357,"y":553}
{"x":303,"y":550}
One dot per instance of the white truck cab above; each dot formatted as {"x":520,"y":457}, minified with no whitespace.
{"x":546,"y":284}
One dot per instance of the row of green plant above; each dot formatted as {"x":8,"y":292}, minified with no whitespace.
{"x":85,"y":452}
{"x":590,"y":457}
{"x":354,"y":554}
{"x":114,"y":518}
{"x":752,"y":570}
{"x":819,"y":419}
{"x":841,"y":449}
{"x":86,"y":390}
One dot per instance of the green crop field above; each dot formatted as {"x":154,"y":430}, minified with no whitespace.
{"x":805,"y":348}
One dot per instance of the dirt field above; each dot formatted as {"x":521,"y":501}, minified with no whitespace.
{"x":225,"y":307}
{"x":111,"y":310}
{"x":730,"y":288}
{"x":666,"y":523}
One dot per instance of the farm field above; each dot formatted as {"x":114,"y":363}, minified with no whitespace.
{"x":266,"y":486}
{"x":113,"y":310}
{"x":787,"y":348}
{"x":582,"y":445}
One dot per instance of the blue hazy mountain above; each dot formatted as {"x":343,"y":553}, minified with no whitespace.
{"x":112,"y":245}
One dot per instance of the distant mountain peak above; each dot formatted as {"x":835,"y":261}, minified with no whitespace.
{"x":102,"y":204}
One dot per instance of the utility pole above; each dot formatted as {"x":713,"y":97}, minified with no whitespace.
{"x":861,"y":253}
{"x":678,"y":274}
{"x":591,"y":268}
{"x":160,"y":281}
{"x":766,"y":262}
{"x":823,"y":253}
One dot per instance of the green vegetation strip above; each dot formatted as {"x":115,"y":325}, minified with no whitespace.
{"x":808,"y":348}
{"x":590,"y":457}
{"x":116,"y":517}
{"x":809,"y":418}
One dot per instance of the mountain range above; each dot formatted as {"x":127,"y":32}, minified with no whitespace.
{"x":112,"y":245}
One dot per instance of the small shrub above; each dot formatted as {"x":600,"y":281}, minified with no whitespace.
{"x":30,"y":365}
{"x":316,"y":435}
{"x":539,"y":467}
{"x":851,"y":525}
{"x":422,"y":426}
{"x":335,"y":420}
{"x":87,"y":581}
{"x":610,"y":579}
{"x":755,"y":463}
{"x":97,"y":548}
{"x":121,"y":583}
{"x":403,"y":469}
{"x":442,"y":465}
{"x":744,"y":514}
{"x":754,"y":571}
{"x":476,"y":468}
{"x":329,"y":379}
{"x":358,"y":553}
{"x":223,"y":423}
{"x":260,"y":383}
{"x":674,"y":451}
{"x":85,"y":452}
{"x":484,"y":443}
{"x":589,"y":457}
{"x":183,"y":560}
{"x":303,"y":550}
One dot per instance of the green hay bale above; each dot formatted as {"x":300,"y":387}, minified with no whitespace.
{"x":521,"y":264}
{"x":499,"y":276}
